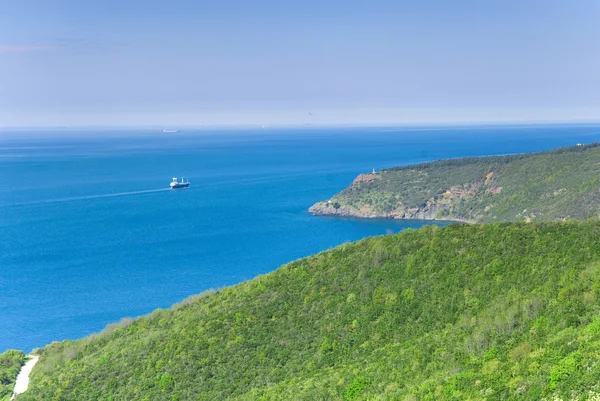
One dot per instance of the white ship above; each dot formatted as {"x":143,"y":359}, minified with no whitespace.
{"x":179,"y":184}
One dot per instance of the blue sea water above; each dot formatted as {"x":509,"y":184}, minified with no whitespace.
{"x":89,"y":234}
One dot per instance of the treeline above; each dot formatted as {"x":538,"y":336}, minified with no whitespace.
{"x":491,"y":160}
{"x":495,"y":312}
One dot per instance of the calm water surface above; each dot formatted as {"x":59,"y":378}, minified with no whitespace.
{"x":89,"y":234}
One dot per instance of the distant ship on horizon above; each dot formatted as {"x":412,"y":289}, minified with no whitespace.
{"x":170,"y":130}
{"x":176,"y":184}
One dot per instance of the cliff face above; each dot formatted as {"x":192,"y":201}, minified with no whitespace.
{"x":548,"y":186}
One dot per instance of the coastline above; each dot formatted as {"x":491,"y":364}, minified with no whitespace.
{"x":327,"y":208}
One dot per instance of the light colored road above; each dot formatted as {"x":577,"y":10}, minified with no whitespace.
{"x":23,"y":377}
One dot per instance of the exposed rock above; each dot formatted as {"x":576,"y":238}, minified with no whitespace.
{"x":490,"y":181}
{"x":365,"y":178}
{"x":463,"y":191}
{"x":488,"y":177}
{"x":328,"y":209}
{"x":493,"y":190}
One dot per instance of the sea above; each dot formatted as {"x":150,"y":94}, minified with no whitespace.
{"x":90,"y":232}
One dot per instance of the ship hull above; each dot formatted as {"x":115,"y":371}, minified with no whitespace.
{"x":177,"y":186}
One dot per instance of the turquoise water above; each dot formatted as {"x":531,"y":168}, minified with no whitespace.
{"x":89,"y":234}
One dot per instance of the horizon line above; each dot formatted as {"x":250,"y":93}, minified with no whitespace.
{"x":306,"y":125}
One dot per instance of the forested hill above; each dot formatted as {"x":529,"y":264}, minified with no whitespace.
{"x":498,"y":311}
{"x":547,"y":186}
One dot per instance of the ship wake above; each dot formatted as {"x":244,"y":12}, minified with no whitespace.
{"x":87,"y":197}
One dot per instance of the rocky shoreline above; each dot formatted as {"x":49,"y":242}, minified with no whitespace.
{"x":331,"y":208}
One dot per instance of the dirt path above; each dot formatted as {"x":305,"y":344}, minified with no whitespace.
{"x":23,"y":377}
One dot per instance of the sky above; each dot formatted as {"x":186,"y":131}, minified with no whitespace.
{"x":180,"y":63}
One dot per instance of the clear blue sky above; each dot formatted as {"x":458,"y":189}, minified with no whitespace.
{"x":271,"y":62}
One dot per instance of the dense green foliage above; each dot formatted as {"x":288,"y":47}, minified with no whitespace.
{"x":546,"y":186}
{"x":10,"y":364}
{"x":495,"y":312}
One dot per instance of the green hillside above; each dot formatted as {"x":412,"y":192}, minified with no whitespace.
{"x":547,"y":186}
{"x":10,"y":364}
{"x":465,"y":312}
